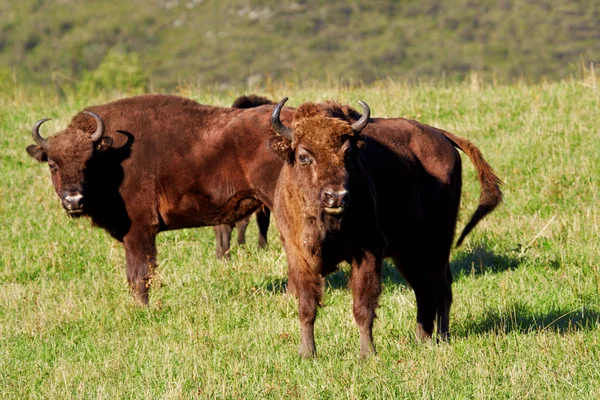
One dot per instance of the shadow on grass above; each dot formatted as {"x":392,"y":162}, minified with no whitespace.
{"x":475,"y":262}
{"x":339,"y":279}
{"x":521,"y":318}
{"x":389,"y":276}
{"x":276,"y":285}
{"x":481,"y":260}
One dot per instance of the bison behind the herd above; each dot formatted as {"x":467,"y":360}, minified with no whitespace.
{"x":342,"y":186}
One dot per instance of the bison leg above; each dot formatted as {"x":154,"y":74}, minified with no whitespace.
{"x":425,"y":308}
{"x":308,"y":286}
{"x":365,"y":282}
{"x":223,"y":240}
{"x":425,"y":295}
{"x":140,"y":255}
{"x":262,"y":219}
{"x":241,"y":226}
{"x":443,"y":302}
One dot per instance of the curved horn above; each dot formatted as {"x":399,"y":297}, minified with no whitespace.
{"x":278,"y":127}
{"x":35,"y":133}
{"x":99,"y":126}
{"x":362,"y":122}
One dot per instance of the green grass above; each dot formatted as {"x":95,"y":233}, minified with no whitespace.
{"x":525,"y":320}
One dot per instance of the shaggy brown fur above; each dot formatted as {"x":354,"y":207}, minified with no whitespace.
{"x":403,"y":179}
{"x":223,"y":232}
{"x":164,"y":163}
{"x":320,"y":130}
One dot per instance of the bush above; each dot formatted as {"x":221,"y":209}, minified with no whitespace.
{"x":117,"y":72}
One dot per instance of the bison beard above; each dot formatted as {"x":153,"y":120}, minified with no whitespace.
{"x":404,"y":184}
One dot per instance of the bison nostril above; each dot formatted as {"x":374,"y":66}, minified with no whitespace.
{"x":327,"y":197}
{"x":73,"y":202}
{"x":334,"y":199}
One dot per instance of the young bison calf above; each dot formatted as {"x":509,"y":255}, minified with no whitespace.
{"x":357,"y":189}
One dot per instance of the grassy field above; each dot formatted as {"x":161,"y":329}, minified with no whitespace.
{"x":525,"y":322}
{"x":236,"y":43}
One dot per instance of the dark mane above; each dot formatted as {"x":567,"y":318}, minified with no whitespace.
{"x":250,"y":101}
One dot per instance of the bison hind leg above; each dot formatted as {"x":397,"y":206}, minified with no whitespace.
{"x":241,"y":227}
{"x":443,"y":302}
{"x":223,"y":240}
{"x":424,"y":293}
{"x":263,"y":216}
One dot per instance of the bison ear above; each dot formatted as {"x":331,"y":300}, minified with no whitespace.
{"x":37,"y":152}
{"x":361,"y":142}
{"x":105,"y":143}
{"x":282,"y":148}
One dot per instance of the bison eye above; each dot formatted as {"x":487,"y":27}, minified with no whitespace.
{"x":53,"y":167}
{"x":304,"y":159}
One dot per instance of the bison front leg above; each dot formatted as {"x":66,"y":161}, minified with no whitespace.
{"x":140,"y":254}
{"x":365,"y":282}
{"x":308,"y":286}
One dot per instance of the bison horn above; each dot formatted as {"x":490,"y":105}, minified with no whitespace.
{"x":362,"y":122}
{"x":278,"y":127}
{"x":99,"y":126}
{"x":37,"y":138}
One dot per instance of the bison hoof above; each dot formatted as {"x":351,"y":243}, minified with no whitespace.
{"x":443,"y":337}
{"x":307,"y":351}
{"x":139,"y":290}
{"x":223,"y":256}
{"x":423,"y":335}
{"x":367,"y":351}
{"x":141,"y":298}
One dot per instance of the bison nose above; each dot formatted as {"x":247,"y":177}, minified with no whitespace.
{"x":73,"y":202}
{"x":334,"y":198}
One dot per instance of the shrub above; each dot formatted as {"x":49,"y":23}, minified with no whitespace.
{"x":122,"y":72}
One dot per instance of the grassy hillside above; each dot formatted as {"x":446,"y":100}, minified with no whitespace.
{"x":525,"y":319}
{"x":239,"y":42}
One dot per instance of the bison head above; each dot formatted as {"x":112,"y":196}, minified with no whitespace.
{"x":67,"y":154}
{"x":321,"y":152}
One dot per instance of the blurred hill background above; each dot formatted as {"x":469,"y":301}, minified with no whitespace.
{"x":160,"y":44}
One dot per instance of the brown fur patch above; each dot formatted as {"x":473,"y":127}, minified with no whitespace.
{"x":321,"y":125}
{"x":74,"y":146}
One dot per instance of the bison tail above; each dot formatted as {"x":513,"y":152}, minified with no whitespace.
{"x":490,"y":195}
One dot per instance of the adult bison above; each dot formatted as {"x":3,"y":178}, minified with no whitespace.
{"x":152,"y":163}
{"x":223,"y":232}
{"x":358,"y":189}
